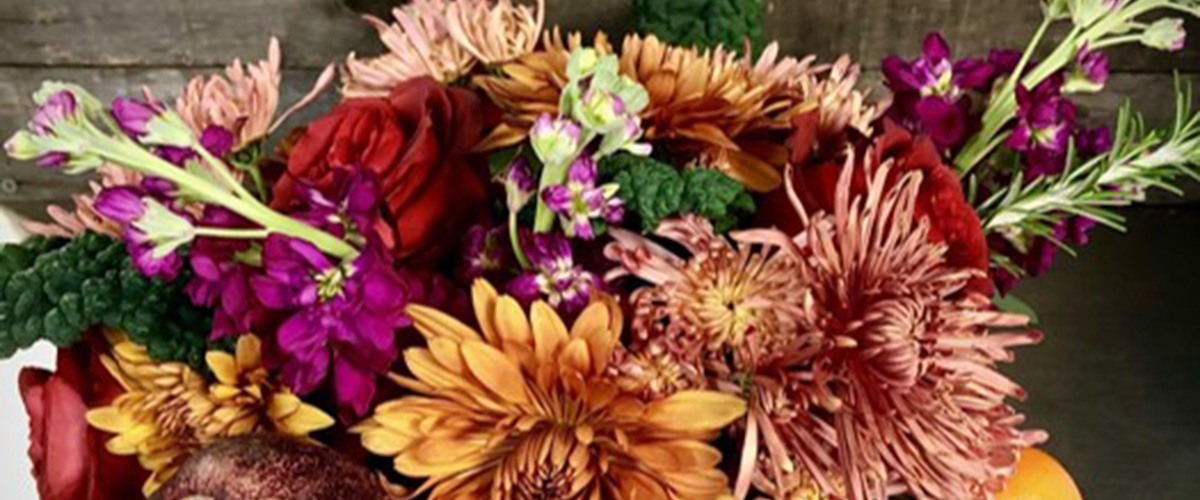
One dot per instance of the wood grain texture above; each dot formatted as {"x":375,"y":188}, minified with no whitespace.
{"x":204,"y":33}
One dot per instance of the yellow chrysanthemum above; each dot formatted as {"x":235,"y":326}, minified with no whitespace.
{"x":168,"y":411}
{"x":525,"y":411}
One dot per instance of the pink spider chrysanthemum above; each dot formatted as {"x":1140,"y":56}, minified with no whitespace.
{"x":892,"y":386}
{"x":722,"y":297}
{"x":244,"y":100}
{"x":418,"y":43}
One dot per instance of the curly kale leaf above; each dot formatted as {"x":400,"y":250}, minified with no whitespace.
{"x":715,"y":196}
{"x":653,"y":190}
{"x":704,"y":23}
{"x":55,"y":289}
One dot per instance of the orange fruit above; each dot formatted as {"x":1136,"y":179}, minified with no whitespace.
{"x":1040,"y":477}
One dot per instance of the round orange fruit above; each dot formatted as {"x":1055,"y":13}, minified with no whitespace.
{"x":1040,"y":477}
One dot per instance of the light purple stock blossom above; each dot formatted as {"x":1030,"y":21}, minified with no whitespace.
{"x":578,"y":200}
{"x":554,"y":275}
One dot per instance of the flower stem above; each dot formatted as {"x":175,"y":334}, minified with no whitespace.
{"x":516,"y":241}
{"x":230,"y":233}
{"x":135,"y":157}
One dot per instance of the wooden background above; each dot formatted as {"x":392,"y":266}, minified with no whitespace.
{"x":1116,"y":380}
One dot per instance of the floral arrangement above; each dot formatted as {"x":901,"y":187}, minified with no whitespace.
{"x":511,"y":264}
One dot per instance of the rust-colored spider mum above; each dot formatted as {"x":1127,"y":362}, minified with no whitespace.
{"x":724,"y":296}
{"x":893,"y":387}
{"x":524,"y":411}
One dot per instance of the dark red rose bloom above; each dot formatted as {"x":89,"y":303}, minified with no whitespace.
{"x":417,"y":141}
{"x":953,"y":220}
{"x":70,"y":461}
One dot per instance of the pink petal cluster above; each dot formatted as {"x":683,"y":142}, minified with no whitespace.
{"x":892,"y":387}
{"x":244,"y":101}
{"x":68,"y":223}
{"x":445,"y":40}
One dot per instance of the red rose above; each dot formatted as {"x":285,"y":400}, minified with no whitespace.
{"x":953,"y":221}
{"x":70,"y":461}
{"x":417,"y":142}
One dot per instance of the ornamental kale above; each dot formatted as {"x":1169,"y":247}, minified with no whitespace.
{"x":654,"y":190}
{"x":704,"y":23}
{"x":54,"y":289}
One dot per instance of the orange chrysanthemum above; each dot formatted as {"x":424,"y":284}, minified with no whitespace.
{"x":524,"y":411}
{"x":715,"y":107}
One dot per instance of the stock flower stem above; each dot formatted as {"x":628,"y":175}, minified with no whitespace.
{"x":229,"y":233}
{"x":516,"y":242}
{"x":136,"y":158}
{"x":544,"y":218}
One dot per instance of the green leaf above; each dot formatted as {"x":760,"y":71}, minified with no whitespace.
{"x":1010,"y":303}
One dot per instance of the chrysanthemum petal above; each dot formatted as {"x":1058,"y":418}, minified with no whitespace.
{"x":496,"y":371}
{"x":696,"y":411}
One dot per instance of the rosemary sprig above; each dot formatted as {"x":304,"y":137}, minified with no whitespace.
{"x":1139,"y":160}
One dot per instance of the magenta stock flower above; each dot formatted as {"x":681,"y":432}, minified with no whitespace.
{"x":348,"y":208}
{"x":153,"y":233}
{"x":133,"y":115}
{"x":58,"y":107}
{"x":930,"y":90}
{"x":1045,"y":123}
{"x":485,"y":251}
{"x":554,"y":276}
{"x":216,"y":140}
{"x":579,"y":200}
{"x":519,"y":184}
{"x":221,"y":276}
{"x":343,"y":317}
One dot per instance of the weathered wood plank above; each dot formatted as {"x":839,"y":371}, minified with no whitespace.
{"x":210,"y":33}
{"x":869,"y":30}
{"x":28,"y":189}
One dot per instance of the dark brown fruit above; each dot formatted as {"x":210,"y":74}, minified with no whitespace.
{"x":270,"y":468}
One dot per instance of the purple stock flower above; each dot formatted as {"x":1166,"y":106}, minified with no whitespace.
{"x":1093,"y":142}
{"x":348,"y":208}
{"x":485,"y":251}
{"x":343,"y":317}
{"x":519,"y":184}
{"x":217,"y":140}
{"x":1089,"y":73}
{"x":1045,"y":123}
{"x":579,"y":200}
{"x":133,"y":116}
{"x":152,"y":232}
{"x":930,"y":90}
{"x":221,"y":276}
{"x":60,"y":106}
{"x":1004,"y":61}
{"x":554,"y":275}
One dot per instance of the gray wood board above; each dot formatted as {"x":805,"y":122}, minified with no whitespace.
{"x":315,"y":32}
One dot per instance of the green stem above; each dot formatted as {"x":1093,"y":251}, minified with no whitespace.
{"x":1003,"y":106}
{"x":1114,"y":41}
{"x":134,"y":157}
{"x":513,"y":237}
{"x":543,"y":220}
{"x":231,"y":233}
